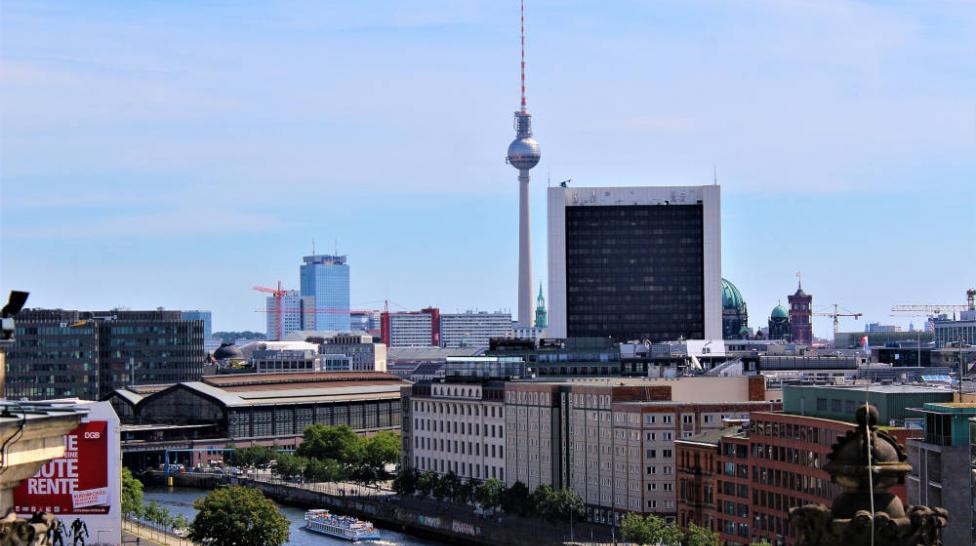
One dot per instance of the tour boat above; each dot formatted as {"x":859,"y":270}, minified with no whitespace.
{"x":344,"y":527}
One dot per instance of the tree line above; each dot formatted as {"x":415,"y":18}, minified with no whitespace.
{"x":491,"y":495}
{"x":327,"y":454}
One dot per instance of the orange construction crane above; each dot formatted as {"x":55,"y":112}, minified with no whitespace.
{"x":278,"y":294}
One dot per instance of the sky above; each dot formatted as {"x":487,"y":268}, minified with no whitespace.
{"x":176,"y":154}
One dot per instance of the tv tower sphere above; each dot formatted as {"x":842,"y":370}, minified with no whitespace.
{"x":524,"y":153}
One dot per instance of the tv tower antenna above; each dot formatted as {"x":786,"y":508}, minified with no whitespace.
{"x":523,"y":154}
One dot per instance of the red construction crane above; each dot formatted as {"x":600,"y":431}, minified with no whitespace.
{"x":278,"y":294}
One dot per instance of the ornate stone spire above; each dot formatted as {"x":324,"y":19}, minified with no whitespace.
{"x":866,"y":462}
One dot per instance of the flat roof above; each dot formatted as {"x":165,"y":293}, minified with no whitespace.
{"x":883,"y":389}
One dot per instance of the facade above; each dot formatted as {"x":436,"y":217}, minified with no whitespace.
{"x":326,"y":279}
{"x":411,"y":329}
{"x":561,"y":357}
{"x":458,"y":427}
{"x":366,"y":355}
{"x":285,"y":361}
{"x":88,"y":354}
{"x":893,"y":402}
{"x":365,"y":321}
{"x":742,"y":481}
{"x":801,"y":315}
{"x":205,"y":316}
{"x":940,"y":474}
{"x":635,"y":263}
{"x":962,"y":332}
{"x":735,"y":313}
{"x":779,"y":324}
{"x":474,"y":329}
{"x":296,"y":314}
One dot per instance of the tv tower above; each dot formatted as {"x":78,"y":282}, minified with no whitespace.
{"x":523,"y":154}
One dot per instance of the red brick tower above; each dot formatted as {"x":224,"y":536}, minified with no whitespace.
{"x":801,"y":312}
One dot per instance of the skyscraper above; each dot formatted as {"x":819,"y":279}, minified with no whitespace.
{"x":523,"y":154}
{"x":326,"y":279}
{"x":635,"y":263}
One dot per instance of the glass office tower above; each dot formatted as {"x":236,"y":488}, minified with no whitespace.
{"x":326,"y":279}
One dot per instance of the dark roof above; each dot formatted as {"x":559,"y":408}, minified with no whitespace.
{"x":227,"y":351}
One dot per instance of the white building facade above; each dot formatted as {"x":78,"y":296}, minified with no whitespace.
{"x":474,"y":329}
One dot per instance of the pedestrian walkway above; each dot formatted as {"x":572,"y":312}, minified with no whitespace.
{"x":139,"y":534}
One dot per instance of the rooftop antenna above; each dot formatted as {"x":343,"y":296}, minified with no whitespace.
{"x":714,"y":174}
{"x":523,"y":53}
{"x":336,"y":247}
{"x":313,"y":247}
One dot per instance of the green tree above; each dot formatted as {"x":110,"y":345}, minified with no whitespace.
{"x":700,"y":536}
{"x":132,"y":497}
{"x":339,"y":443}
{"x":446,"y":486}
{"x":381,"y":449}
{"x":671,"y":535}
{"x":463,"y":492}
{"x":180,"y":522}
{"x":516,"y":499}
{"x":568,"y":505}
{"x":323,"y":470}
{"x":289,"y":466}
{"x":405,"y":482}
{"x":426,"y":483}
{"x":544,"y":503}
{"x":238,"y":516}
{"x":635,"y":528}
{"x":489,"y":493}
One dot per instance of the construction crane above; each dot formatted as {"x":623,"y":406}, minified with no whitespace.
{"x":277,"y":294}
{"x":934,"y":309}
{"x":836,"y":316}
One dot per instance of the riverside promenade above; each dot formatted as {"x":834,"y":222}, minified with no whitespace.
{"x":442,"y":521}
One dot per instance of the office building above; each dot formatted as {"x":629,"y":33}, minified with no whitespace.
{"x":365,"y":321}
{"x":956,"y":333}
{"x":474,"y":328}
{"x":297,"y":314}
{"x":893,"y":402}
{"x":801,"y":315}
{"x":460,"y":428}
{"x":635,"y":263}
{"x":88,"y":354}
{"x":206,"y":317}
{"x":941,"y":475}
{"x":742,"y":481}
{"x":326,"y":279}
{"x":285,"y":361}
{"x":877,"y":327}
{"x":411,"y":328}
{"x":365,"y":354}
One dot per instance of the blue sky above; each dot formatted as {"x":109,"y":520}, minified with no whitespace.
{"x":175,"y":154}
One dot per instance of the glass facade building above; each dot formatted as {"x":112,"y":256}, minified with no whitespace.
{"x":635,"y":263}
{"x":635,"y":272}
{"x":326,"y":279}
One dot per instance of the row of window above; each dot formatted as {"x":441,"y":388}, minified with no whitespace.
{"x":454,"y":427}
{"x":458,"y":409}
{"x":459,"y":447}
{"x":462,"y":469}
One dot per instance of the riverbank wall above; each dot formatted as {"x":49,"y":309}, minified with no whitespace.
{"x":427,"y":518}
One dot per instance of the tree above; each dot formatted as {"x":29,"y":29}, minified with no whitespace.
{"x":463,"y":492}
{"x":289,"y":466}
{"x":760,"y":542}
{"x":671,"y":535}
{"x":132,"y":498}
{"x":426,"y":483}
{"x":543,"y":502}
{"x":446,"y":486}
{"x":180,"y":522}
{"x":569,"y":505}
{"x":516,"y":499}
{"x":382,"y":448}
{"x":489,"y":493}
{"x":323,"y":470}
{"x":700,"y":536}
{"x":405,"y":482}
{"x":238,"y":516}
{"x":635,"y":528}
{"x":339,"y":443}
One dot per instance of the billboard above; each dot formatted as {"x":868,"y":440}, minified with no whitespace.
{"x":83,"y":488}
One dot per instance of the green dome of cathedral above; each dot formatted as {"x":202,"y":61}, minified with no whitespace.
{"x":731,"y":297}
{"x":779,"y":312}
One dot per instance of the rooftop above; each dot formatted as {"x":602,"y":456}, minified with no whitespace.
{"x":883,"y":389}
{"x":711,"y":437}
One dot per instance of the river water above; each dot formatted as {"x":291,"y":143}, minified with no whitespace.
{"x":179,"y":500}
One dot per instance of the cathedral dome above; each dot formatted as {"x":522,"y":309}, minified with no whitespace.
{"x":731,"y":297}
{"x":779,"y":312}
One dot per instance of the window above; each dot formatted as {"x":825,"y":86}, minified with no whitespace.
{"x":835,"y":405}
{"x":821,"y":404}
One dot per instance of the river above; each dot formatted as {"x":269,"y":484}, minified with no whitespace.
{"x":179,"y":500}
